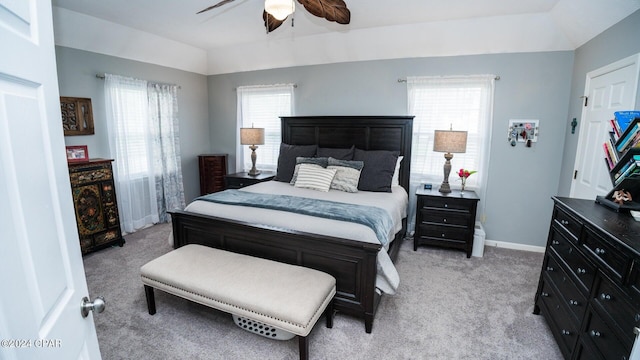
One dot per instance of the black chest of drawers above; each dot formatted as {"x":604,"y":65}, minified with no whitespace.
{"x":445,"y":220}
{"x":589,"y":288}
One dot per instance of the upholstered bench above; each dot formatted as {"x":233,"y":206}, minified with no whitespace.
{"x":286,"y":297}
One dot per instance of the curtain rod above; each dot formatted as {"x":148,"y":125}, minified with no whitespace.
{"x":101,"y":76}
{"x":405,"y":80}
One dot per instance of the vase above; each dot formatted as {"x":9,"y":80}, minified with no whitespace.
{"x":463,"y":184}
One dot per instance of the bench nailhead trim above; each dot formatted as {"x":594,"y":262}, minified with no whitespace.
{"x":232,"y":305}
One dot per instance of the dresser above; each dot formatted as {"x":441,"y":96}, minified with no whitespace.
{"x":242,"y":179}
{"x":96,"y":207}
{"x":445,"y":220}
{"x":213,"y":169}
{"x":589,"y":287}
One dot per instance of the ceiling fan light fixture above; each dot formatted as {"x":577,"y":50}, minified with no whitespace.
{"x":279,"y":9}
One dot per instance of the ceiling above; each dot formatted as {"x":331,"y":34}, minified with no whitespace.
{"x":237,"y":28}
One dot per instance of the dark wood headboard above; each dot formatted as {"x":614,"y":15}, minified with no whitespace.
{"x":364,"y":132}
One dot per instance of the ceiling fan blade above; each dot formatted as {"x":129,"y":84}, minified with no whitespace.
{"x":270,"y":22}
{"x":215,"y":6}
{"x":332,"y":10}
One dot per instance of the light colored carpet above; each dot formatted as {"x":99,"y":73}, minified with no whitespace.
{"x":447,"y":307}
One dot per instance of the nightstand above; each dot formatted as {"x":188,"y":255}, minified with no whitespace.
{"x":242,"y":179}
{"x":445,"y":220}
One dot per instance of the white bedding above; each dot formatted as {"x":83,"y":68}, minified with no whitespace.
{"x":395,"y":203}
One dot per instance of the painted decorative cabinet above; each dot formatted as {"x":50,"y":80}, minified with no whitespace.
{"x":96,"y":207}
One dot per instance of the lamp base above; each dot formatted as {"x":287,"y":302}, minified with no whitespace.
{"x":254,"y":172}
{"x":445,"y":188}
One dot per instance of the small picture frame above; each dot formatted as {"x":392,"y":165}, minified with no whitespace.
{"x":78,"y":153}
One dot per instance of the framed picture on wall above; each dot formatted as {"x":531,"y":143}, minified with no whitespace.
{"x":78,"y":153}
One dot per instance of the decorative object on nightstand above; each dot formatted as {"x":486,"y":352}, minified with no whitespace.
{"x":252,"y":136}
{"x":96,"y":208}
{"x":242,"y":179}
{"x":464,"y":174}
{"x":446,"y":220}
{"x":213,"y":169}
{"x":449,"y":142}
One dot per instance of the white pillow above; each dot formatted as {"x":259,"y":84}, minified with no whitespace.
{"x":314,"y":177}
{"x":395,"y":181}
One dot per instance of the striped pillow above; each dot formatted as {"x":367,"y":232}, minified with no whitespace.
{"x":314,"y":177}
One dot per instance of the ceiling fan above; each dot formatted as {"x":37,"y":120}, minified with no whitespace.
{"x":276,"y":11}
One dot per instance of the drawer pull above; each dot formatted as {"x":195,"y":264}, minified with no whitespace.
{"x":555,"y":242}
{"x":544,"y":294}
{"x":573,"y":302}
{"x":442,"y":235}
{"x":564,"y":222}
{"x":444,"y":220}
{"x":600,"y":251}
{"x":604,"y":296}
{"x":581,"y":271}
{"x":445,"y":205}
{"x":566,"y":332}
{"x":549,"y":268}
{"x":595,"y":333}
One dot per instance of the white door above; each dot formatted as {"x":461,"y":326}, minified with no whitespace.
{"x":608,"y":89}
{"x":41,"y":271}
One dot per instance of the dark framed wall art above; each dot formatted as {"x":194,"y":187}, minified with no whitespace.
{"x":77,"y":116}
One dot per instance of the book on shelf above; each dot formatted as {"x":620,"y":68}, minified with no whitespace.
{"x":624,"y":118}
{"x":609,"y":156}
{"x":632,"y":169}
{"x":615,"y":133}
{"x":628,"y":138}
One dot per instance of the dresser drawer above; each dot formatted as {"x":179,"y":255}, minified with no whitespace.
{"x":441,"y":232}
{"x":572,"y":225}
{"x":609,"y":256}
{"x":577,"y":265}
{"x":621,"y":313}
{"x":586,"y":351}
{"x":445,"y":217}
{"x":569,"y":294}
{"x":90,"y":174}
{"x":564,"y":328}
{"x":447,"y":203}
{"x":604,"y":339}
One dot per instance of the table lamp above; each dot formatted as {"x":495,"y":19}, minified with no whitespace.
{"x":252,"y":137}
{"x":449,"y":142}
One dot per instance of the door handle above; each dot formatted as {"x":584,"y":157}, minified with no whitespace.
{"x":96,"y":305}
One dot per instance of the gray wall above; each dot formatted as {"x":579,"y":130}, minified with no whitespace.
{"x":532,"y":86}
{"x":77,"y":71}
{"x":618,"y":42}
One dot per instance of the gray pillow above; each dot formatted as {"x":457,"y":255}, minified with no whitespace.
{"x":340,"y":154}
{"x":379,"y":166}
{"x":347,"y":174}
{"x":287,"y":159}
{"x":320,"y":161}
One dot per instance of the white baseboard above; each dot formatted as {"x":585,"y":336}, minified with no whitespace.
{"x":514,"y":246}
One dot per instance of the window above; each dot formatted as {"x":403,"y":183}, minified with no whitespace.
{"x":439,"y":103}
{"x":262,"y":106}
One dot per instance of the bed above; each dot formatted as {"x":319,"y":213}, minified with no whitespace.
{"x":354,"y":263}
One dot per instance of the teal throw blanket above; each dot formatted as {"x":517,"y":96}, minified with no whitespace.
{"x":376,"y":218}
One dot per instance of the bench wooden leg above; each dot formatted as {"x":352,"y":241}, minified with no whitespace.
{"x":151,"y":300}
{"x":303,"y":344}
{"x":329,"y":311}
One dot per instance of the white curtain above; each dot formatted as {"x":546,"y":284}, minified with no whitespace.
{"x":440,"y":103}
{"x":261,"y":106}
{"x":142,"y":129}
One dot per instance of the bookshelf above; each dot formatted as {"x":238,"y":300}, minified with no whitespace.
{"x":622,"y":158}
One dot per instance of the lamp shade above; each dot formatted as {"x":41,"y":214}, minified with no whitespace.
{"x":251,"y":136}
{"x":449,"y":141}
{"x":279,"y":9}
